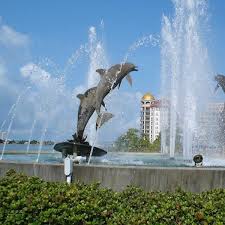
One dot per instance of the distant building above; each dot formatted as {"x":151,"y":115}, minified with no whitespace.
{"x":150,"y":117}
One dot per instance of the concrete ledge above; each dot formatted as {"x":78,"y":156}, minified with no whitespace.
{"x":118,"y":177}
{"x":48,"y":172}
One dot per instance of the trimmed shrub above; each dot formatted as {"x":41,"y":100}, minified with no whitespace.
{"x":30,"y":200}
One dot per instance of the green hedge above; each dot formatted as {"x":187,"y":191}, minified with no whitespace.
{"x":30,"y":200}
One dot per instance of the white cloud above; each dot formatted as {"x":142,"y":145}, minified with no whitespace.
{"x":47,"y":101}
{"x":6,"y":86}
{"x":50,"y":102}
{"x":11,"y":38}
{"x":11,"y":42}
{"x":35,"y":73}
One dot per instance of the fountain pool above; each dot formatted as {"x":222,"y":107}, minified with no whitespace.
{"x":17,"y":153}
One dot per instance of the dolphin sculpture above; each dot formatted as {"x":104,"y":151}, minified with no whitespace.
{"x":85,"y":111}
{"x":110,"y":79}
{"x":220,"y":82}
{"x":91,"y":101}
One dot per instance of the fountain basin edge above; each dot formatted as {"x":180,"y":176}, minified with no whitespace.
{"x":118,"y":177}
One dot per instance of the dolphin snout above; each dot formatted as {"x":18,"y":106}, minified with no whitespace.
{"x":135,"y":68}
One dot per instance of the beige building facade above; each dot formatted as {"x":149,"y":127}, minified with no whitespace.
{"x":150,"y":117}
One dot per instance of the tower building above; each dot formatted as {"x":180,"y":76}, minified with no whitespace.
{"x":150,"y":117}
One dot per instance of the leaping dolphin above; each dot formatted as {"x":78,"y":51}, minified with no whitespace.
{"x":85,"y":111}
{"x":220,"y":82}
{"x":110,"y":79}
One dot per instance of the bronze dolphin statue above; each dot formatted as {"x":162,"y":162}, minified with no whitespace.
{"x":85,"y":111}
{"x":110,"y":79}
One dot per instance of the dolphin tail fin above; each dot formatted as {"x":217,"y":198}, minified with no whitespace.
{"x":103,"y":118}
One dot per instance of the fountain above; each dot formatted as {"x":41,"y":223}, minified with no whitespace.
{"x":185,"y":77}
{"x":185,"y":95}
{"x":91,"y":101}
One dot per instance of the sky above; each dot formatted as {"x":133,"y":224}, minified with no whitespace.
{"x":42,"y":36}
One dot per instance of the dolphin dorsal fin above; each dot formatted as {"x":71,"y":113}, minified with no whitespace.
{"x":101,"y":71}
{"x":129,"y":79}
{"x":80,"y":96}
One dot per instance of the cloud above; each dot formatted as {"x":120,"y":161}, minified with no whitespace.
{"x":50,"y":101}
{"x":11,"y":38}
{"x":11,"y":56}
{"x":35,"y":73}
{"x":7,"y":87}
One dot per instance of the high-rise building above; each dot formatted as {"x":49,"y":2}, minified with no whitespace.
{"x":150,"y":117}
